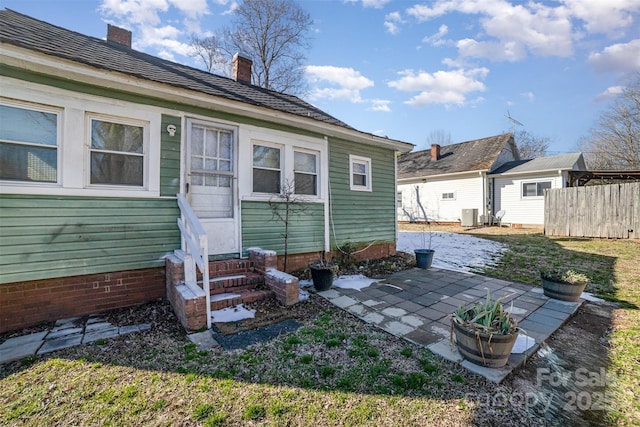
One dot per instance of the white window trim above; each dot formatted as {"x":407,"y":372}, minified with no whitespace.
{"x":369,"y":176}
{"x":536,"y":197}
{"x":282,"y":155}
{"x":58,"y":111}
{"x":317,"y":174}
{"x":89,"y":116}
{"x":448,"y":199}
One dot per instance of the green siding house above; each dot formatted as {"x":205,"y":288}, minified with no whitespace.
{"x":97,"y":140}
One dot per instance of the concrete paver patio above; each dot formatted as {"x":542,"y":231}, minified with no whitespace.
{"x":417,"y":304}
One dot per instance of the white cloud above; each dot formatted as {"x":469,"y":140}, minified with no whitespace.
{"x":336,"y":83}
{"x":529,"y":96}
{"x":391,"y":21}
{"x":441,"y":87}
{"x":376,"y":4}
{"x":512,"y":30}
{"x":608,"y":17}
{"x":621,"y":57}
{"x":436,"y":39}
{"x":391,"y":27}
{"x":610,"y":92}
{"x":143,"y":17}
{"x":380,"y":105}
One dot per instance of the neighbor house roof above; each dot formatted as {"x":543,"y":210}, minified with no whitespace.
{"x":469,"y":156}
{"x":29,"y":33}
{"x":571,"y":161}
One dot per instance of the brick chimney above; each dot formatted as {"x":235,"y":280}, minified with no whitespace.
{"x":242,"y":68}
{"x":435,"y":151}
{"x":118,"y":35}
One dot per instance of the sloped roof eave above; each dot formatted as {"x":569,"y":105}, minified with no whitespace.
{"x":477,"y":172}
{"x":38,"y":62}
{"x":532,"y":172}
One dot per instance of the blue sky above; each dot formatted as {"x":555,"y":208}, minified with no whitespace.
{"x":406,"y":69}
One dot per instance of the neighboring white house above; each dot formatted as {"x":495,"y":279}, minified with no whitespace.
{"x":451,"y":183}
{"x":518,"y":186}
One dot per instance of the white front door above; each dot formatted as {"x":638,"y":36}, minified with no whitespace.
{"x":211,"y":182}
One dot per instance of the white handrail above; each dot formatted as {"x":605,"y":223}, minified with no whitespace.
{"x":196,"y":244}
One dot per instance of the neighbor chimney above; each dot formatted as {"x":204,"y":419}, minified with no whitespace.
{"x":118,"y":35}
{"x":242,"y":68}
{"x":435,"y":151}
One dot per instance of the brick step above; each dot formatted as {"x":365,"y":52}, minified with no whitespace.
{"x":230,"y":299}
{"x":235,"y":283}
{"x":230,"y":267}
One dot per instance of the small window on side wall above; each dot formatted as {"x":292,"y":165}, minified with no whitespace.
{"x":360,"y":173}
{"x":29,"y":144}
{"x":448,"y":196}
{"x":535,"y":189}
{"x":117,"y":155}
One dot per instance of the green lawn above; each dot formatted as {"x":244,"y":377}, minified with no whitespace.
{"x":334,"y":371}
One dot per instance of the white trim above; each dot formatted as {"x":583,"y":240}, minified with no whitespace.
{"x":73,"y":165}
{"x":448,"y":199}
{"x":538,"y":181}
{"x":368,"y":173}
{"x":34,"y":106}
{"x":47,"y":64}
{"x":89,"y":117}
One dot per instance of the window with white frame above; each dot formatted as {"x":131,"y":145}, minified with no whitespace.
{"x":399,"y":199}
{"x":305,"y":169}
{"x":29,"y":143}
{"x":535,"y":189}
{"x":448,"y":196}
{"x":360,"y":173}
{"x":266,"y":169}
{"x":116,"y":152}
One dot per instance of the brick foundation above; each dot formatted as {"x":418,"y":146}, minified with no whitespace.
{"x":24,"y":304}
{"x":302,"y":261}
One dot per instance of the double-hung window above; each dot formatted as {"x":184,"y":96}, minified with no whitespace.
{"x":116,"y":152}
{"x":266,"y":169}
{"x":535,"y":189}
{"x":29,"y":143}
{"x":360,"y":173}
{"x":305,"y":172}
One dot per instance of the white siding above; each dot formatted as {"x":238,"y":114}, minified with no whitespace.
{"x":522,"y":210}
{"x":468,"y":194}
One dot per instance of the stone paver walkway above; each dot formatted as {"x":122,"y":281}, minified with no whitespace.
{"x":417,"y":304}
{"x":65,"y":333}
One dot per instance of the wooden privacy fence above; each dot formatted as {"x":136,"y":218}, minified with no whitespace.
{"x":610,"y":211}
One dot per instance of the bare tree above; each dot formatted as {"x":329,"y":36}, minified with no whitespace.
{"x":274,"y":33}
{"x":614,"y":143}
{"x":207,"y":50}
{"x":531,"y":146}
{"x":439,"y":137}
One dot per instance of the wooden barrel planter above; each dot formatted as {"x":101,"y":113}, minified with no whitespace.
{"x":490,"y":350}
{"x":562,"y":291}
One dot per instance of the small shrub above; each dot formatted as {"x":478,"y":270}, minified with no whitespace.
{"x":406,"y":352}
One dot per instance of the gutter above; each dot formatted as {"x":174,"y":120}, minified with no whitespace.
{"x":37,"y":62}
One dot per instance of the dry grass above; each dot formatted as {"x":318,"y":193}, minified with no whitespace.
{"x":333,"y":371}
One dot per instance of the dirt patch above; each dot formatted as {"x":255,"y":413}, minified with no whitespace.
{"x":567,"y":381}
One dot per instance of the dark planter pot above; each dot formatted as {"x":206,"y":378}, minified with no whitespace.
{"x":490,"y":350}
{"x":424,"y":257}
{"x":562,"y":291}
{"x":323,"y":275}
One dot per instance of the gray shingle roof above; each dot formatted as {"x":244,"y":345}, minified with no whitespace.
{"x":479,"y":154}
{"x":560,"y":162}
{"x":29,"y":33}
